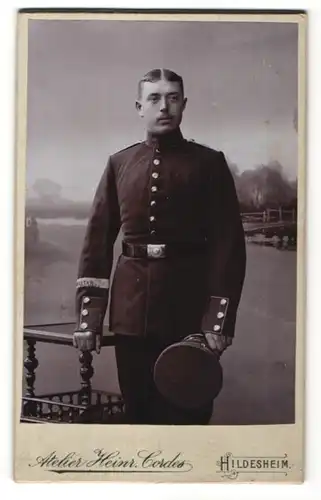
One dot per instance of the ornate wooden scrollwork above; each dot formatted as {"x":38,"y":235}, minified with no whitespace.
{"x":86,"y":373}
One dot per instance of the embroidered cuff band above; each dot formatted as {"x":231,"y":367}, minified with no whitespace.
{"x":92,"y":282}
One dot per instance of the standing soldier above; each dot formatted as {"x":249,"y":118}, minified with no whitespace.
{"x":183,"y":252}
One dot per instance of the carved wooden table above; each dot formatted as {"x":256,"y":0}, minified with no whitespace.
{"x":84,"y":405}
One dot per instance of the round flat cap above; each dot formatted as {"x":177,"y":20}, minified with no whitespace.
{"x":189,"y":374}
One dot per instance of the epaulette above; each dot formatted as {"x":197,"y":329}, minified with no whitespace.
{"x":128,"y":147}
{"x":202,"y":146}
{"x":118,"y":155}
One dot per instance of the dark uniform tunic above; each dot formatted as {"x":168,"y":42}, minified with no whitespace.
{"x":163,"y":191}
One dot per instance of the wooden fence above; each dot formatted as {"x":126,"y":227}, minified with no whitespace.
{"x":270,"y":215}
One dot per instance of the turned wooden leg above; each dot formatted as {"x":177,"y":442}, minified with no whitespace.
{"x":86,"y":373}
{"x":30,"y":364}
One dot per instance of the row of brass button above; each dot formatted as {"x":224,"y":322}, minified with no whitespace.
{"x":154,"y":189}
{"x":84,"y":312}
{"x":220,"y":315}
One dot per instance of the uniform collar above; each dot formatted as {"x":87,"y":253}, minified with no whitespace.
{"x":166,"y":141}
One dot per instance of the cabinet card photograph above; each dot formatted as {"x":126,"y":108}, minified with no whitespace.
{"x":159,"y":331}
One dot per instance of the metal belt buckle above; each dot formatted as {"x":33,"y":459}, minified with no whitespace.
{"x":155,"y":251}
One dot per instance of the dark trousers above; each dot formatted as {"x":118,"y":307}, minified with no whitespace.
{"x":135,"y":359}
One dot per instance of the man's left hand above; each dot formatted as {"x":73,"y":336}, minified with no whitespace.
{"x":218,"y":342}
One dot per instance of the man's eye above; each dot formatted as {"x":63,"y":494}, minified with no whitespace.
{"x":154,"y":98}
{"x":174,"y":98}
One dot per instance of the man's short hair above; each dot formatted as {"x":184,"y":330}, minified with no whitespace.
{"x":155,"y":75}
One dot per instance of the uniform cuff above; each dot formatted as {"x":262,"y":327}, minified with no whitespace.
{"x":92,"y":314}
{"x":214,"y":318}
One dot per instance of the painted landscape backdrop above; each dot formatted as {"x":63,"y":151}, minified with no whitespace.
{"x":260,"y":366}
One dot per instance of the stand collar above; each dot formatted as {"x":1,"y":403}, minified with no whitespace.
{"x":165,"y":141}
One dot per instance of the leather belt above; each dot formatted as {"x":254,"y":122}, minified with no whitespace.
{"x":161,"y":250}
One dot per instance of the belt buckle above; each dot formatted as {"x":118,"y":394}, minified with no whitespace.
{"x":155,"y":251}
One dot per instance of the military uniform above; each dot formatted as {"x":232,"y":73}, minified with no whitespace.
{"x":183,"y":246}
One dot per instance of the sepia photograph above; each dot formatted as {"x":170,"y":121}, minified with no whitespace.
{"x":161,"y":221}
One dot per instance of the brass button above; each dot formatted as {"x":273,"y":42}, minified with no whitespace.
{"x":216,"y":328}
{"x":83,"y":326}
{"x":153,"y":232}
{"x":152,"y":218}
{"x":223,"y":302}
{"x":84,"y":312}
{"x":220,"y":315}
{"x":154,"y":189}
{"x":155,"y":175}
{"x":153,"y":202}
{"x":86,"y":300}
{"x":156,"y":161}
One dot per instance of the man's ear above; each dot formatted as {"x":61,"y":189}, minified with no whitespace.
{"x":184,"y":103}
{"x":139,"y":108}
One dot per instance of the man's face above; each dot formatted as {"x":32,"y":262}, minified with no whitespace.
{"x":161,"y":106}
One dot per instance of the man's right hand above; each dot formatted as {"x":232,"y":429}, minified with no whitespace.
{"x":87,"y":341}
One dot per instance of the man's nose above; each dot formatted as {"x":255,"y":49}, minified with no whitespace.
{"x":163,"y":104}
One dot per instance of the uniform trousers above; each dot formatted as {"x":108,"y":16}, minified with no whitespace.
{"x":135,"y":357}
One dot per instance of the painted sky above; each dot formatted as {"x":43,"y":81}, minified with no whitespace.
{"x":240,"y":80}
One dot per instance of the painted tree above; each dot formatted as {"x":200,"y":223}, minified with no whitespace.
{"x":47,"y":190}
{"x":265,"y":186}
